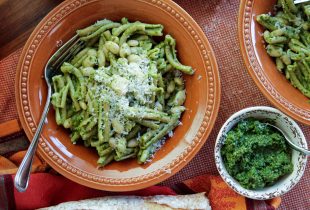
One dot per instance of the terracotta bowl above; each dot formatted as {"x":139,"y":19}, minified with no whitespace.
{"x":289,"y":127}
{"x":261,"y":66}
{"x":79,"y":163}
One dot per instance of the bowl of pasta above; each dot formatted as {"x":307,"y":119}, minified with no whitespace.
{"x":133,"y":105}
{"x":274,"y":39}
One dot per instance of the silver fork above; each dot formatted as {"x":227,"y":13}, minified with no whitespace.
{"x":300,"y":1}
{"x":65,"y":53}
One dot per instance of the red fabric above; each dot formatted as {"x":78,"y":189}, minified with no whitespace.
{"x":46,"y":190}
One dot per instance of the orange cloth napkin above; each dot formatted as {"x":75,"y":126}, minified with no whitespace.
{"x":221,"y":196}
{"x":10,"y":165}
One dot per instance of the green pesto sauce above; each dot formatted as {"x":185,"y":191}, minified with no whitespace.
{"x":255,"y":154}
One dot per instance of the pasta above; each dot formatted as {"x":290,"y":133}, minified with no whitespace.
{"x":123,"y":93}
{"x":288,"y":41}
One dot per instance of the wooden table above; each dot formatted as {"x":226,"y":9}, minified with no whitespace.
{"x":18,"y":18}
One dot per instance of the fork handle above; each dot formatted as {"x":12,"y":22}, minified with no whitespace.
{"x":22,"y":176}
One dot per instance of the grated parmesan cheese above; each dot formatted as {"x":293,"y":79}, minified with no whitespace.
{"x":130,"y":86}
{"x":168,"y":171}
{"x":170,"y":134}
{"x":59,"y":43}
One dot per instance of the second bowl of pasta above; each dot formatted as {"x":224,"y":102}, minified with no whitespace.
{"x":274,"y":40}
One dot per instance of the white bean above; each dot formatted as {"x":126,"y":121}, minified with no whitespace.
{"x":133,"y":43}
{"x":171,"y":87}
{"x":112,"y":47}
{"x":133,"y":58}
{"x":133,"y":143}
{"x":124,"y":50}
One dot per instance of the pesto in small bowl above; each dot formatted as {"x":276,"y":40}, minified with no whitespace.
{"x":255,"y":154}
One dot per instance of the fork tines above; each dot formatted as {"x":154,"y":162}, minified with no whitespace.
{"x":67,"y":52}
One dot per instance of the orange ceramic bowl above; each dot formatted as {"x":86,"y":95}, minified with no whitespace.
{"x":262,"y":68}
{"x":77,"y":162}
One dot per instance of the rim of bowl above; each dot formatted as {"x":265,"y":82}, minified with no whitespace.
{"x":231,"y":182}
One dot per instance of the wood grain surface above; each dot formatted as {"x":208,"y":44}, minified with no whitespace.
{"x":18,"y":18}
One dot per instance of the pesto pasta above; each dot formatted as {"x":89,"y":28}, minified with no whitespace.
{"x":288,"y":41}
{"x":124,"y":92}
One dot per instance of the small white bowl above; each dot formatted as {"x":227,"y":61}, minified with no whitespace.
{"x":290,"y":128}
